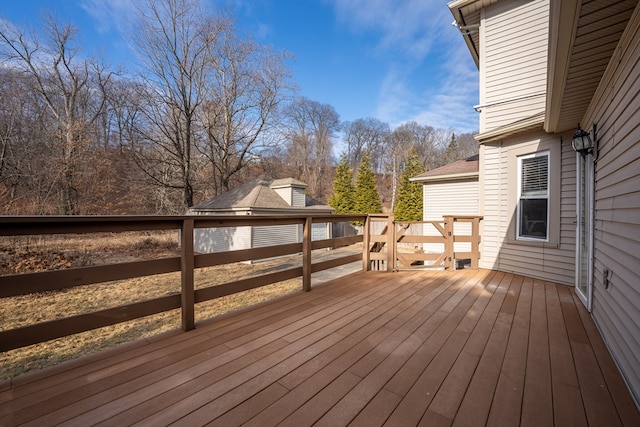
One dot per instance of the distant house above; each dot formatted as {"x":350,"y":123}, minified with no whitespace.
{"x":450,"y":190}
{"x":263,"y":196}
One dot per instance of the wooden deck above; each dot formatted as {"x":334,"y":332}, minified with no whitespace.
{"x":410,"y":348}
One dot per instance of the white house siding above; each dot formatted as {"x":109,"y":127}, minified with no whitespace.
{"x":294,"y":196}
{"x":553,"y":260}
{"x":285,"y":234}
{"x":616,"y":110}
{"x":449,"y":198}
{"x":298,"y":198}
{"x":276,"y":235}
{"x":321,"y":231}
{"x":513,"y":62}
{"x":220,"y":239}
{"x":286,"y":193}
{"x":490,"y":204}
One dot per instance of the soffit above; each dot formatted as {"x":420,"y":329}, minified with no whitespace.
{"x":528,"y":123}
{"x":467,"y":13}
{"x":597,"y":27}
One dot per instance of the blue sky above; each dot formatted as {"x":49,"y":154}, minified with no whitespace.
{"x":394,"y":60}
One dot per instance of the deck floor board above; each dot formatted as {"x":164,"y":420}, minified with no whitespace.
{"x":409,"y":348}
{"x":537,"y":405}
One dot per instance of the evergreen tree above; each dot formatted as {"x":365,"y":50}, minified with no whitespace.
{"x":452,"y":154}
{"x":367,"y":200}
{"x":342,"y":199}
{"x":409,"y":206}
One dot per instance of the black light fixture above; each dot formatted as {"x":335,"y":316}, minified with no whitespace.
{"x":582,"y":142}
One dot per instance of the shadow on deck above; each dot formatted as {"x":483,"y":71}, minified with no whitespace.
{"x":434,"y":348}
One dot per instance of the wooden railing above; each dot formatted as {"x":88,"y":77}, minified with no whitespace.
{"x":186,"y":263}
{"x":382,"y":240}
{"x":379,"y":245}
{"x":391,"y":247}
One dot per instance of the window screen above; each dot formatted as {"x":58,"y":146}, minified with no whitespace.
{"x":533,"y":192}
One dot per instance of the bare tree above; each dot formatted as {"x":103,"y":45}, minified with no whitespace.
{"x":72,"y":89}
{"x":124,"y":113}
{"x":248,"y":82}
{"x":311,"y":128}
{"x":18,"y":141}
{"x":427,"y":142}
{"x":465,"y":144}
{"x":400,"y":141}
{"x":366,"y":136}
{"x":173,"y":39}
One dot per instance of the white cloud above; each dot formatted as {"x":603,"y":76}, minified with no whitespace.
{"x":417,"y":38}
{"x":451,"y":104}
{"x":394,"y":97}
{"x":263,"y":31}
{"x":403,"y":26}
{"x":109,"y":15}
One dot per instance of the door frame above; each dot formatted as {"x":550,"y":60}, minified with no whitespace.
{"x":585,"y":212}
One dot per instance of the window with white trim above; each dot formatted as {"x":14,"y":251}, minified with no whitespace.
{"x":533,"y":197}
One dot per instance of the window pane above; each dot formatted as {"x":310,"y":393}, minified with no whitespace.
{"x":535,"y":172}
{"x":533,"y":218}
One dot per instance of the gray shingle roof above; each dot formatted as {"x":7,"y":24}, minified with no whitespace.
{"x":257,"y":194}
{"x":467,"y":166}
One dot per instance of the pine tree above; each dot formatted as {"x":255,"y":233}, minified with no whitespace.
{"x":367,"y":200}
{"x":452,"y":152}
{"x":342,"y":199}
{"x":409,"y":206}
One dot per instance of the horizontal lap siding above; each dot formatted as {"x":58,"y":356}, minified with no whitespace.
{"x":514,"y":60}
{"x":568,"y":197}
{"x":276,"y":235}
{"x":616,"y":110}
{"x":299,"y":199}
{"x":285,"y":234}
{"x":294,"y":196}
{"x":490,"y":204}
{"x":450,"y":198}
{"x":321,"y":231}
{"x":500,"y":250}
{"x":221,"y":239}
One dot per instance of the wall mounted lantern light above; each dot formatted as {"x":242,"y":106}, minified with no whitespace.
{"x":583,"y":143}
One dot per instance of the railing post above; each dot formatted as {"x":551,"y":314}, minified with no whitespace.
{"x":366,"y":237}
{"x":391,"y":244}
{"x":187,"y":266}
{"x":448,"y":247}
{"x":475,"y":244}
{"x":306,"y":255}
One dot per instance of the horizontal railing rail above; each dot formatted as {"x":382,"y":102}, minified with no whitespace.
{"x":380,"y":237}
{"x":400,"y":245}
{"x":56,"y":280}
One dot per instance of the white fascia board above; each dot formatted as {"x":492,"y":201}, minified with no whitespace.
{"x":450,"y":177}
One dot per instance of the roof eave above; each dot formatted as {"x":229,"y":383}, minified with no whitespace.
{"x":455,"y":7}
{"x":527,"y":124}
{"x":257,"y":210}
{"x":563,"y":23}
{"x":450,"y":177}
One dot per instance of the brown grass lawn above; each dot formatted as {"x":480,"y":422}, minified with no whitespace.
{"x":20,"y":255}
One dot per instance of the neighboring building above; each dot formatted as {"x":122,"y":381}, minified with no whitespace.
{"x":550,"y":213}
{"x":450,"y":190}
{"x":264,"y":196}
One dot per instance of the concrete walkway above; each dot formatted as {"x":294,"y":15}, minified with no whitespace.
{"x":340,"y":271}
{"x":334,"y":273}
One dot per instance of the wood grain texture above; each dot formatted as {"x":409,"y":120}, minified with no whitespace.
{"x":410,"y":348}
